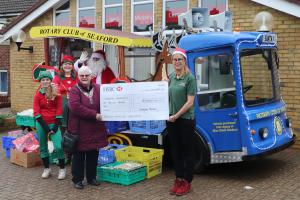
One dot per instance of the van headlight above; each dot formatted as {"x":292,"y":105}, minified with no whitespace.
{"x":263,"y":133}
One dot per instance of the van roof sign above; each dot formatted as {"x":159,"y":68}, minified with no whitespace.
{"x":267,"y":39}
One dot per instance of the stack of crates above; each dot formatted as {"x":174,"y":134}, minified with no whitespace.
{"x":116,"y":126}
{"x":7,"y":144}
{"x":22,"y":120}
{"x":107,"y":154}
{"x":151,"y":158}
{"x":111,"y":173}
{"x":148,"y":127}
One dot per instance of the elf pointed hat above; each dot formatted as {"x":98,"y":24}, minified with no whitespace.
{"x":45,"y":74}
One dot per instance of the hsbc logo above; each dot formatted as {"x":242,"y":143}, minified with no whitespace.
{"x":119,"y":88}
{"x":113,"y":89}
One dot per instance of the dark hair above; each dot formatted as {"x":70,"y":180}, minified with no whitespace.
{"x":62,"y":73}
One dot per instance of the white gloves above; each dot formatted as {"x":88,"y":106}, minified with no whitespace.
{"x":83,"y":57}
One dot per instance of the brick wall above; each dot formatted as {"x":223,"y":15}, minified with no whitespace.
{"x":4,"y":56}
{"x":287,"y":28}
{"x":4,"y":65}
{"x":22,"y":86}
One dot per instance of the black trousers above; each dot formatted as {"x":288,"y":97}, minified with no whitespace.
{"x":84,"y":161}
{"x":182,"y":147}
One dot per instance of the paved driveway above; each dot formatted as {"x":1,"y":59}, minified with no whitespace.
{"x":274,"y":177}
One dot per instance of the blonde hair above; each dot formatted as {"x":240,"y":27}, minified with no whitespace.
{"x":50,"y":92}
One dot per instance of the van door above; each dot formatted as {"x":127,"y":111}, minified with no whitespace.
{"x":216,"y":103}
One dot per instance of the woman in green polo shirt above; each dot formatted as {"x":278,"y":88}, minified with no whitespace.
{"x":181,"y":123}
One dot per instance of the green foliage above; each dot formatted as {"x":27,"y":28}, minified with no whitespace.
{"x":5,"y":116}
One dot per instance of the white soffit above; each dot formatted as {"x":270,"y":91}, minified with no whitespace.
{"x":282,"y":5}
{"x":29,"y":18}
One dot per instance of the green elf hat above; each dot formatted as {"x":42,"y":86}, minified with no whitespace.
{"x":45,"y":74}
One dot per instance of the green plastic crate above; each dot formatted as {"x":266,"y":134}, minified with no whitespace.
{"x":104,"y":173}
{"x":22,"y":120}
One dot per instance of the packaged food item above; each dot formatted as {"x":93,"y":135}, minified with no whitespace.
{"x":26,"y":143}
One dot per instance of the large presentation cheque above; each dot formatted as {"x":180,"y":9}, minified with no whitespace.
{"x":134,"y":101}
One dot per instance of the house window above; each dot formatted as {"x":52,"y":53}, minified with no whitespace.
{"x":62,"y":15}
{"x":142,"y":15}
{"x":172,"y":8}
{"x":86,"y":13}
{"x":112,"y":17}
{"x":141,"y":68}
{"x":214,"y":6}
{"x":3,"y":82}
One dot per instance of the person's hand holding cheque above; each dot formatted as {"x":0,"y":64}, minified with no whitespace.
{"x":98,"y":117}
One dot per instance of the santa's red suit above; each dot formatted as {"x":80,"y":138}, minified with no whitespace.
{"x":102,"y":73}
{"x":107,"y":76}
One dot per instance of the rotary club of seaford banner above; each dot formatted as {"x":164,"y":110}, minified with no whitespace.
{"x":85,"y":34}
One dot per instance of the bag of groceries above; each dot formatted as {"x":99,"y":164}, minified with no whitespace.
{"x":26,"y":143}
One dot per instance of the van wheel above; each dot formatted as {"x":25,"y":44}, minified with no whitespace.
{"x":201,"y":154}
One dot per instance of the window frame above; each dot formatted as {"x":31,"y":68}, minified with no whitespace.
{"x":61,"y":11}
{"x":111,"y":6}
{"x":83,"y":9}
{"x":227,"y":50}
{"x":275,"y":82}
{"x":132,"y":16}
{"x":167,"y":32}
{"x":6,"y":71}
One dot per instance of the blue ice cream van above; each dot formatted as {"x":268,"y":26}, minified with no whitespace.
{"x":239,"y":111}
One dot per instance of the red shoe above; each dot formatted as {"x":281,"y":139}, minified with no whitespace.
{"x":177,"y":184}
{"x":184,"y":188}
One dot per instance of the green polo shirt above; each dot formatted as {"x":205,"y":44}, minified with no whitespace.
{"x":179,"y":89}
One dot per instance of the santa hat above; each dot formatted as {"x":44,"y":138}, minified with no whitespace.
{"x":68,"y":58}
{"x":179,"y":51}
{"x":84,"y":70}
{"x":98,"y":54}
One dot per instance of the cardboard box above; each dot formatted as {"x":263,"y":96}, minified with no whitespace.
{"x":27,"y":160}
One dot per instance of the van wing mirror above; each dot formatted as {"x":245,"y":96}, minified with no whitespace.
{"x":224,"y":64}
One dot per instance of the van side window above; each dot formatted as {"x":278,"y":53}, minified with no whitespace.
{"x":215,"y":82}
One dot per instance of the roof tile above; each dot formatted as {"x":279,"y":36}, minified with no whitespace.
{"x":15,"y":6}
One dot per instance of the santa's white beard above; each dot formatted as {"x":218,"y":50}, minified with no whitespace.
{"x":96,"y":66}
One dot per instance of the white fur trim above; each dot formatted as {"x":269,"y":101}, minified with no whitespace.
{"x":179,"y":52}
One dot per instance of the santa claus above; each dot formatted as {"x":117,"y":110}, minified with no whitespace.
{"x":101,"y":73}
